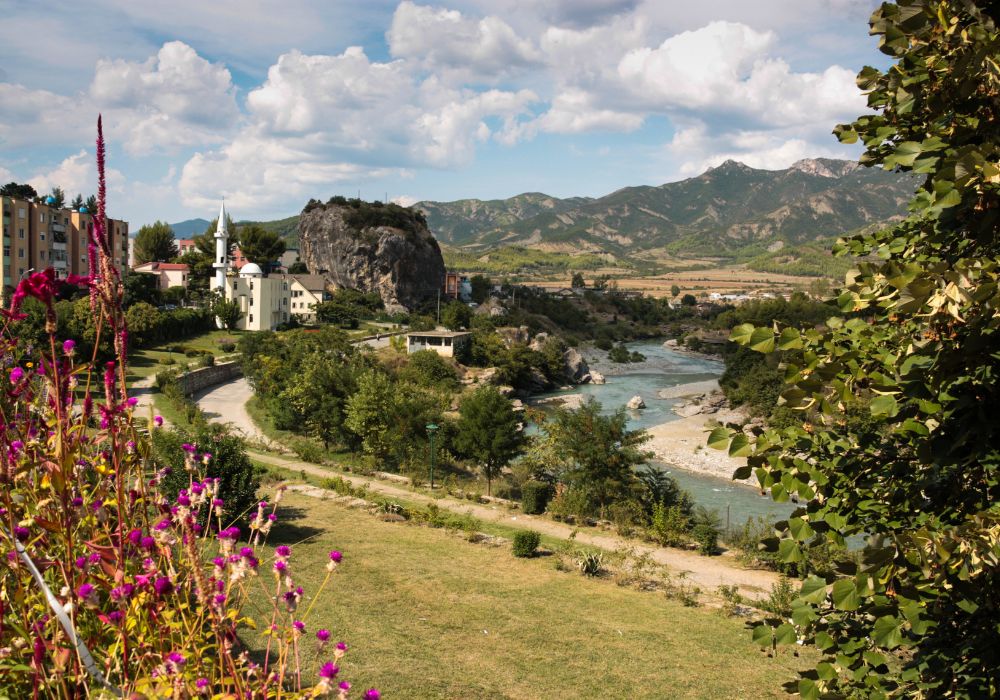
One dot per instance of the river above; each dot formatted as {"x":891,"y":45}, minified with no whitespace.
{"x":662,"y":369}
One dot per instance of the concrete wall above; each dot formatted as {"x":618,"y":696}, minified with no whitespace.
{"x":202,"y":378}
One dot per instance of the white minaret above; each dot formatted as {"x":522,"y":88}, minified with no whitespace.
{"x":221,"y":263}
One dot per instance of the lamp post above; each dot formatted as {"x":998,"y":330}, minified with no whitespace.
{"x":431,"y":429}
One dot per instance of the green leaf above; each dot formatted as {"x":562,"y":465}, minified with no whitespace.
{"x":785,"y":634}
{"x":845,"y":595}
{"x":813,"y":590}
{"x":790,"y":340}
{"x":800,"y":529}
{"x":887,"y":632}
{"x":884,"y":406}
{"x":718,"y":439}
{"x":808,"y":690}
{"x":741,"y":334}
{"x":762,"y":340}
{"x":789,"y":551}
{"x":762,"y":635}
{"x":740,"y":446}
{"x":743,"y":472}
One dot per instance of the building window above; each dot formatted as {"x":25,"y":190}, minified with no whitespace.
{"x":41,"y":235}
{"x":20,"y":213}
{"x":41,"y":255}
{"x":251,"y":318}
{"x":20,"y":252}
{"x":20,"y":233}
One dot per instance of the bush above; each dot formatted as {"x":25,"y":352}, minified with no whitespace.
{"x":526,"y":543}
{"x":535,"y":497}
{"x":670,"y":525}
{"x":590,"y":563}
{"x":707,"y":538}
{"x":308,"y":451}
{"x":227,"y":346}
{"x":207,"y":361}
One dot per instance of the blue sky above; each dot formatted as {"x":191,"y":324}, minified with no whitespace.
{"x":271,"y":103}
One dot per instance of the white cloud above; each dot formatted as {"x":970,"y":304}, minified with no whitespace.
{"x":175,"y":98}
{"x":30,"y":117}
{"x":404,"y":200}
{"x":76,"y":174}
{"x":450,"y":44}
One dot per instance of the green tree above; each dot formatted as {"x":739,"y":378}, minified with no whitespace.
{"x":919,"y":616}
{"x":142,"y":319}
{"x":370,"y":413}
{"x":19,"y":190}
{"x":298,"y":268}
{"x":227,"y":311}
{"x":601,"y":453}
{"x":674,"y":290}
{"x":59,"y":197}
{"x":91,"y":204}
{"x":319,"y":395}
{"x":489,"y":432}
{"x":260,"y":245}
{"x":77,"y":202}
{"x":456,"y":316}
{"x":480,"y":288}
{"x":140,"y":287}
{"x":155,"y":243}
{"x":577,"y":282}
{"x":338,"y":313}
{"x":689,"y":300}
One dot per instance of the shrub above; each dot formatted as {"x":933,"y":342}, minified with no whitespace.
{"x":670,"y":525}
{"x":206,"y":361}
{"x":526,"y":543}
{"x":706,"y":537}
{"x":590,"y":563}
{"x":308,"y":451}
{"x":535,"y":497}
{"x":227,"y":346}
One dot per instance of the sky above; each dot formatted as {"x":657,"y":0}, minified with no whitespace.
{"x":269,"y":104}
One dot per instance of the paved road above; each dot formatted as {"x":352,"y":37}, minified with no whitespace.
{"x":226,"y":403}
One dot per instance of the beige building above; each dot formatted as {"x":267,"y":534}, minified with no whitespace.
{"x":264,"y":301}
{"x":306,"y":292}
{"x":37,"y":235}
{"x":168,"y":274}
{"x":446,"y":343}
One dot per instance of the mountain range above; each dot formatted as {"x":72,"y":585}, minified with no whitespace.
{"x":729,"y":210}
{"x":724,"y":210}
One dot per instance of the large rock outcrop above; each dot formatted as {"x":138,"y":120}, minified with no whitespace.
{"x":371,"y":247}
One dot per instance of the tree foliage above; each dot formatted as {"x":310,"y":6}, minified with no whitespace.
{"x":920,"y":616}
{"x":489,"y":432}
{"x":58,"y":197}
{"x":260,"y":245}
{"x":155,"y":243}
{"x":456,"y":316}
{"x":19,"y":190}
{"x":227,"y":311}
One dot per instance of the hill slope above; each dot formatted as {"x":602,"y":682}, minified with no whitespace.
{"x":723,"y":211}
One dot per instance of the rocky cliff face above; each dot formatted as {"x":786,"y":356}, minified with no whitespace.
{"x":386,"y":249}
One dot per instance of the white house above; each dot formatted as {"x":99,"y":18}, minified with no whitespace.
{"x":306,"y":292}
{"x":446,"y":343}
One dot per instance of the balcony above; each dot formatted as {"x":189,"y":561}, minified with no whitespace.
{"x":57,"y":244}
{"x":57,"y":227}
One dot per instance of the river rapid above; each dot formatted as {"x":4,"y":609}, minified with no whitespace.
{"x":665,"y":368}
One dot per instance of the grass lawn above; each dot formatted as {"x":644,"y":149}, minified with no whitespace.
{"x":147,"y":361}
{"x":428,"y":615}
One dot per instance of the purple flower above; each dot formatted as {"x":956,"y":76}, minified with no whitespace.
{"x":21,"y":533}
{"x":323,"y":635}
{"x":220,"y":598}
{"x":218,"y":502}
{"x":329,"y":671}
{"x":76,"y":502}
{"x":135,"y":536}
{"x":116,"y":616}
{"x":158,"y":421}
{"x":299,"y":626}
{"x":81,"y":562}
{"x":16,"y":375}
{"x":187,"y":447}
{"x":68,"y":346}
{"x":344,"y":685}
{"x":283,"y":550}
{"x":219,"y":562}
{"x":16,"y":446}
{"x":183,"y":500}
{"x":201,"y":683}
{"x":372,"y":694}
{"x":163,"y":585}
{"x":85,"y":590}
{"x":336,"y":556}
{"x":230,"y":533}
{"x":272,"y":517}
{"x":341,"y":646}
{"x":280,"y":567}
{"x":246,"y":552}
{"x":148,"y":542}
{"x":132,"y":401}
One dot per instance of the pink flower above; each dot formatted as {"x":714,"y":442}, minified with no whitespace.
{"x":163,"y":586}
{"x":16,"y":375}
{"x":372,"y":694}
{"x":299,"y":626}
{"x":323,"y":635}
{"x":336,"y":556}
{"x":158,"y":421}
{"x":329,"y":671}
{"x":68,"y":346}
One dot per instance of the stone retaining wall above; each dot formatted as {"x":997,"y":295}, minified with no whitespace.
{"x":202,"y":378}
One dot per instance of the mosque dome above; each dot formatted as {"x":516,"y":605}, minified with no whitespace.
{"x":251,"y":270}
{"x":50,"y":200}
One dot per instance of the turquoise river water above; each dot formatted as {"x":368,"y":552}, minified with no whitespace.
{"x":662,"y":369}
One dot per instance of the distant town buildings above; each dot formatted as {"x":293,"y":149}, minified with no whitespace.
{"x":37,"y":235}
{"x":264,"y":302}
{"x":456,"y":286}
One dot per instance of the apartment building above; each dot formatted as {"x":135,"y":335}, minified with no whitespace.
{"x":37,"y":235}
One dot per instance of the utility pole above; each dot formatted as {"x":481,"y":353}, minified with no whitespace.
{"x":431,"y":429}
{"x":439,"y":306}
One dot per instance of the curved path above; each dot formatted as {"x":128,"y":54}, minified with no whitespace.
{"x":225,"y":403}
